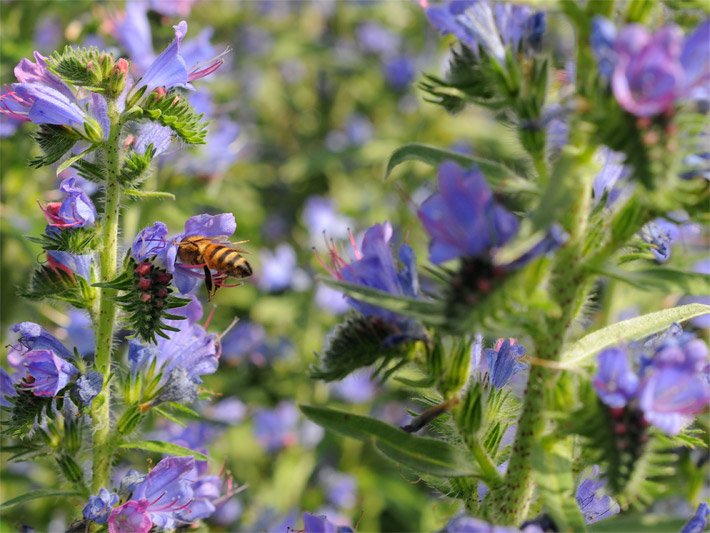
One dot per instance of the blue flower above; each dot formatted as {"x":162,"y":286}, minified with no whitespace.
{"x":594,"y":505}
{"x":340,"y":488}
{"x":276,"y":428}
{"x":504,"y":361}
{"x":320,"y":524}
{"x":615,"y":382}
{"x":610,"y":179}
{"x":88,"y":386}
{"x":35,"y":337}
{"x":330,"y":300}
{"x":698,"y":521}
{"x":376,"y":39}
{"x":79,"y":264}
{"x":319,"y":216}
{"x":7,"y":388}
{"x":463,"y":219}
{"x":602,"y":41}
{"x":75,"y":211}
{"x":152,"y":134}
{"x":46,"y":373}
{"x":463,"y":523}
{"x":99,"y":506}
{"x":132,"y":30}
{"x":476,"y":23}
{"x":357,"y":387}
{"x":660,"y":235}
{"x":399,"y":72}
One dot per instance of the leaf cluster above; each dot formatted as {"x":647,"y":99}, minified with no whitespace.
{"x":173,"y":110}
{"x":54,"y":141}
{"x":54,"y":283}
{"x":73,"y":240}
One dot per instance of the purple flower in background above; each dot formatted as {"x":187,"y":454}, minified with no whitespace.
{"x":276,"y":428}
{"x":504,"y":361}
{"x":331,"y":300}
{"x":321,"y":524}
{"x":152,"y":134}
{"x":172,"y":8}
{"x":463,"y":523}
{"x":48,"y":33}
{"x":654,"y":71}
{"x":164,"y":492}
{"x":99,"y":506}
{"x":595,"y":505}
{"x":698,"y":522}
{"x":340,"y":488}
{"x":132,"y":30}
{"x":88,"y":386}
{"x":75,"y":211}
{"x":319,"y":216}
{"x":492,"y":27}
{"x":376,"y":39}
{"x":610,"y":179}
{"x":279,"y":270}
{"x":79,"y":264}
{"x":615,"y":382}
{"x":602,"y":41}
{"x":217,"y":155}
{"x":247,"y":340}
{"x":660,"y":235}
{"x":671,"y":396}
{"x":228,"y":411}
{"x":399,"y":72}
{"x":46,"y":373}
{"x":357,"y":387}
{"x":463,"y":219}
{"x":7,"y":388}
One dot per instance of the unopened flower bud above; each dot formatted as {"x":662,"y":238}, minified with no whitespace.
{"x":143,"y":269}
{"x":93,"y":131}
{"x":144,"y":284}
{"x":146,"y":297}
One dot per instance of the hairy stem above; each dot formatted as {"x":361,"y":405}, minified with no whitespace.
{"x":101,"y":414}
{"x":568,"y":287}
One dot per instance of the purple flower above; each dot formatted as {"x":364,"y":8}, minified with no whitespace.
{"x":612,"y":174}
{"x":228,"y":411}
{"x":79,"y":264}
{"x":88,"y":386}
{"x":7,"y":388}
{"x":217,"y":155}
{"x":99,"y":506}
{"x":44,"y":105}
{"x":321,"y":524}
{"x":171,"y":8}
{"x":75,"y":211}
{"x":247,"y":340}
{"x":654,"y":71}
{"x":279,"y":270}
{"x":357,"y":387}
{"x":374,"y":267}
{"x":492,"y":27}
{"x":48,"y":33}
{"x":164,"y":492}
{"x":615,"y":382}
{"x":594,"y":505}
{"x":376,"y":39}
{"x":399,"y":72}
{"x":467,"y":524}
{"x":132,"y":30}
{"x":504,"y":361}
{"x":330,"y":300}
{"x":151,"y":242}
{"x":698,"y":521}
{"x":131,"y":517}
{"x":319,"y":216}
{"x":671,"y":396}
{"x":660,"y":235}
{"x":463,"y":219}
{"x":276,"y":428}
{"x":152,"y":134}
{"x":35,"y":337}
{"x":341,"y":489}
{"x":602,"y":41}
{"x":27,"y":72}
{"x":46,"y":373}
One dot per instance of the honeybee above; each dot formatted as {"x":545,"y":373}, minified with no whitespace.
{"x":213,"y":254}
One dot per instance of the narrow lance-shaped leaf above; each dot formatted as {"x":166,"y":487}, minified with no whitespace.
{"x":661,"y":278}
{"x":35,"y":495}
{"x":167,"y":448}
{"x":421,"y":454}
{"x":583,"y":351}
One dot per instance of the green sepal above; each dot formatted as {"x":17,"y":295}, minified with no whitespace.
{"x":356,"y":343}
{"x":423,"y":455}
{"x":78,"y":241}
{"x":50,"y":283}
{"x":54,"y":141}
{"x":174,"y":111}
{"x":83,"y":67}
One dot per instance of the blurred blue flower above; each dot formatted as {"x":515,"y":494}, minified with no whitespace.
{"x":504,"y":361}
{"x":276,"y":428}
{"x":463,"y":523}
{"x":357,"y":387}
{"x":172,"y":8}
{"x":602,"y":41}
{"x":132,"y":30}
{"x":595,"y":505}
{"x":330,"y":300}
{"x":615,"y":382}
{"x":99,"y":506}
{"x":246,"y":340}
{"x":320,"y":216}
{"x":7,"y":388}
{"x":48,"y":34}
{"x":279,"y":270}
{"x":340,"y":488}
{"x":46,"y":373}
{"x":228,"y":411}
{"x":217,"y":155}
{"x":699,"y":521}
{"x":492,"y":27}
{"x":153,"y":134}
{"x":321,"y":524}
{"x":376,"y":39}
{"x":400,"y":71}
{"x":463,"y":219}
{"x":611,"y":177}
{"x":660,"y":235}
{"x":88,"y":386}
{"x":358,"y":129}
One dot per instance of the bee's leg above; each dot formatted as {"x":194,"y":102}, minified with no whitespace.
{"x":208,"y":283}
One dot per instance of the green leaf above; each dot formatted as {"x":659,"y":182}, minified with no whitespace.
{"x":421,"y":454}
{"x":69,"y":162}
{"x":167,"y":448}
{"x":552,"y":468}
{"x":35,"y":495}
{"x":72,"y":240}
{"x":660,"y":278}
{"x":499,"y":177}
{"x":54,"y":141}
{"x":426,"y":311}
{"x":149,"y":195}
{"x":583,"y":351}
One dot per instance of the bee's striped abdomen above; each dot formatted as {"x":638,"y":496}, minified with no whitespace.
{"x":228,"y":260}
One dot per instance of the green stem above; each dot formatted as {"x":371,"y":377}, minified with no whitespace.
{"x":488,"y":468}
{"x":568,"y":287}
{"x":107,"y":307}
